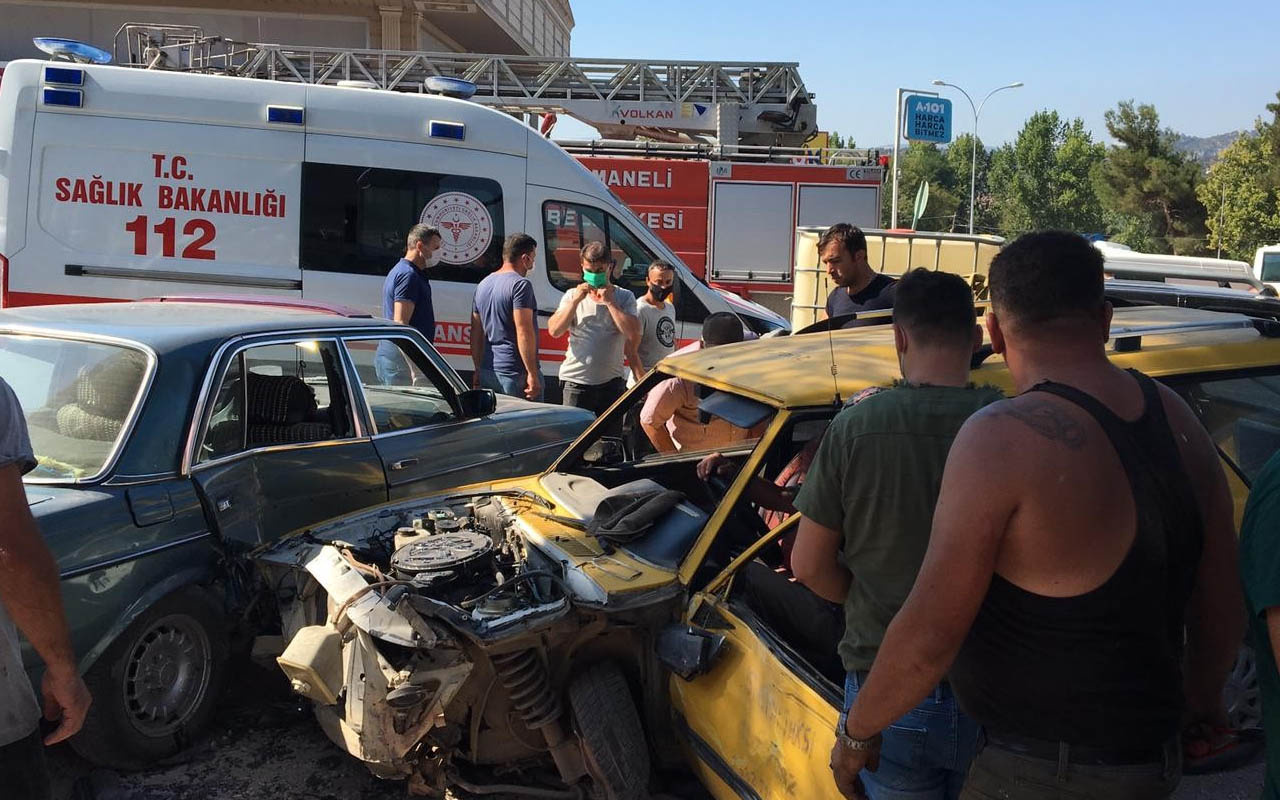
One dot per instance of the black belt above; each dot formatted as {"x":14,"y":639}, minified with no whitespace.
{"x":1078,"y":753}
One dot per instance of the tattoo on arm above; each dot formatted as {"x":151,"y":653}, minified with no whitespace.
{"x":1049,"y":420}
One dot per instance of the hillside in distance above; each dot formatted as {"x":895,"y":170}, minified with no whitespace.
{"x":1205,"y":149}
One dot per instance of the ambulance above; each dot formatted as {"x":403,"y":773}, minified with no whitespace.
{"x":118,"y":183}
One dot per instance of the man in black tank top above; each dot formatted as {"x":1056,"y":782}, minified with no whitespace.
{"x":1082,"y":527}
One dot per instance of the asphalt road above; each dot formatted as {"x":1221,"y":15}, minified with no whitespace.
{"x":266,"y":746}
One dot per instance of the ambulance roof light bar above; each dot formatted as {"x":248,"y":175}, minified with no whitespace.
{"x":71,"y":50}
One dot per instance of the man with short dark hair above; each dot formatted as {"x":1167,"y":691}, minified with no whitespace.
{"x":867,"y":506}
{"x":670,"y":416}
{"x":406,"y":298}
{"x":31,"y":596}
{"x":657,"y":321}
{"x":842,"y":249}
{"x":1082,"y":552}
{"x":601,"y":321}
{"x":504,"y":328}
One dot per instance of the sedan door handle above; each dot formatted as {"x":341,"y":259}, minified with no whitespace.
{"x":404,"y":463}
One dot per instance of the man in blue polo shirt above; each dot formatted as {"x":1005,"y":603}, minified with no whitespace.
{"x":406,"y":298}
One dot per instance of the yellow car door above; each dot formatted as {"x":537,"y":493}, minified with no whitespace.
{"x":760,"y":721}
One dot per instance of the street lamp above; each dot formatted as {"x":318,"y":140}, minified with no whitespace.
{"x":973,"y":167}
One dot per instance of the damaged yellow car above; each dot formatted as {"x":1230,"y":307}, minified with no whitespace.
{"x":615,"y":621}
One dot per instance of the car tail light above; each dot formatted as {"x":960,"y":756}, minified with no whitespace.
{"x":4,"y":281}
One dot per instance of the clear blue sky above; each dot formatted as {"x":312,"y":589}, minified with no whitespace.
{"x":1208,"y":67}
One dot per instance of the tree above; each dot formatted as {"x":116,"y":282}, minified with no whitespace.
{"x":1042,"y":180}
{"x":960,"y":158}
{"x":1242,"y":192}
{"x":1148,"y":187}
{"x":923,"y":161}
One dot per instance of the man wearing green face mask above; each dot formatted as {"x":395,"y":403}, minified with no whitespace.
{"x":601,"y":321}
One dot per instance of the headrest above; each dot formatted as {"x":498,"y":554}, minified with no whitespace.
{"x":279,"y":400}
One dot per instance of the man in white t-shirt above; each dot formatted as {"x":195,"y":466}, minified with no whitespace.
{"x":601,"y":321}
{"x":657,"y":315}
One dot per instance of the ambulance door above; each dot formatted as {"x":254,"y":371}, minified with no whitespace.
{"x":361,"y":197}
{"x":567,"y":221}
{"x":128,"y":208}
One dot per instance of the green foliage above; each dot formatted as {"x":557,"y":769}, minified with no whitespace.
{"x":1148,"y":188}
{"x":923,"y":161}
{"x":1242,"y":192}
{"x":1043,"y":179}
{"x":960,"y":156}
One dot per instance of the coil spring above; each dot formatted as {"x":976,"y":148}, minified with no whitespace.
{"x":525,"y":679}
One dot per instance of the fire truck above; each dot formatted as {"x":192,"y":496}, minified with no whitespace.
{"x":730,"y":213}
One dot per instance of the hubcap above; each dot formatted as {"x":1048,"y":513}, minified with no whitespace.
{"x":167,"y":675}
{"x":1241,"y":695}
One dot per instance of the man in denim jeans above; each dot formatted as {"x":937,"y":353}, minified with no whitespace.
{"x":867,"y":506}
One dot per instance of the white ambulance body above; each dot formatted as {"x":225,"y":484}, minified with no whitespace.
{"x":119,"y":183}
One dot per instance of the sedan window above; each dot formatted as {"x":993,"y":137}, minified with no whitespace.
{"x":401,"y":386}
{"x":77,"y":397}
{"x":274,"y":394}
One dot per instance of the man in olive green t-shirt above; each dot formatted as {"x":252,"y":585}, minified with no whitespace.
{"x":1260,"y":569}
{"x":867,"y":508}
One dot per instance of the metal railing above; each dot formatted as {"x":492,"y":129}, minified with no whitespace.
{"x":529,"y":83}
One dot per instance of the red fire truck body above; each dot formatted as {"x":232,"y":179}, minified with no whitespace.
{"x":734,"y":222}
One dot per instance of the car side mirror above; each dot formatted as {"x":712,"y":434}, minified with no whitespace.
{"x":688,"y":651}
{"x":477,"y":403}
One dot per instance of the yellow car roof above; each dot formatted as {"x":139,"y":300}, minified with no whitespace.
{"x":796,"y":371}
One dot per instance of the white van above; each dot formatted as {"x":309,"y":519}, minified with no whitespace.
{"x":1266,"y":265}
{"x":119,"y":183}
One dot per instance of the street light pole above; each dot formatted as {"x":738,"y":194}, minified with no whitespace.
{"x":973,"y":163}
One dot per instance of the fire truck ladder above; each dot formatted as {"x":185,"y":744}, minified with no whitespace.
{"x":730,"y":102}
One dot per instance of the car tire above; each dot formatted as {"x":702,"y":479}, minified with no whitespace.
{"x":1241,"y":695}
{"x":609,"y":729}
{"x":155,"y":687}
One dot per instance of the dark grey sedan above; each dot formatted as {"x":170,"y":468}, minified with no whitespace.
{"x":173,"y":437}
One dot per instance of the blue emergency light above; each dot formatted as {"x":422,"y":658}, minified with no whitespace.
{"x":71,"y":98}
{"x":447,"y":130}
{"x":291,"y":115}
{"x":65,"y":76}
{"x":71,"y":50}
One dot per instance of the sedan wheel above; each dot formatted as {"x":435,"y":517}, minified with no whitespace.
{"x":167,"y":675}
{"x":155,"y":687}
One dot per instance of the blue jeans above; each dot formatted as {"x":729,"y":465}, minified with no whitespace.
{"x":926,"y":754}
{"x":508,"y":383}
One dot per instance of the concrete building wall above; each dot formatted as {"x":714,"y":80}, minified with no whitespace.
{"x":533,"y":27}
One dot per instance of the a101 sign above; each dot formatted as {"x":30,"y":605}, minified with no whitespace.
{"x":928,"y":118}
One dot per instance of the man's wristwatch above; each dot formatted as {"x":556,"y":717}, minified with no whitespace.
{"x":858,"y":745}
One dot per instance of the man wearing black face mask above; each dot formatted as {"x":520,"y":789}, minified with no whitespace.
{"x":657,"y":313}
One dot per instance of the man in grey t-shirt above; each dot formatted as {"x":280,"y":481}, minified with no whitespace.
{"x":30,"y":596}
{"x":601,"y":321}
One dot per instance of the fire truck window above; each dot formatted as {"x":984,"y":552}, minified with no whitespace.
{"x":355,"y":219}
{"x":568,"y":227}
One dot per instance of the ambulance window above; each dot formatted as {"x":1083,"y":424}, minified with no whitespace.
{"x":567,"y":227}
{"x":355,"y":219}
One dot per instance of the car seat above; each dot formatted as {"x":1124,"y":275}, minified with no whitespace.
{"x":103,"y":393}
{"x":281,"y":410}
